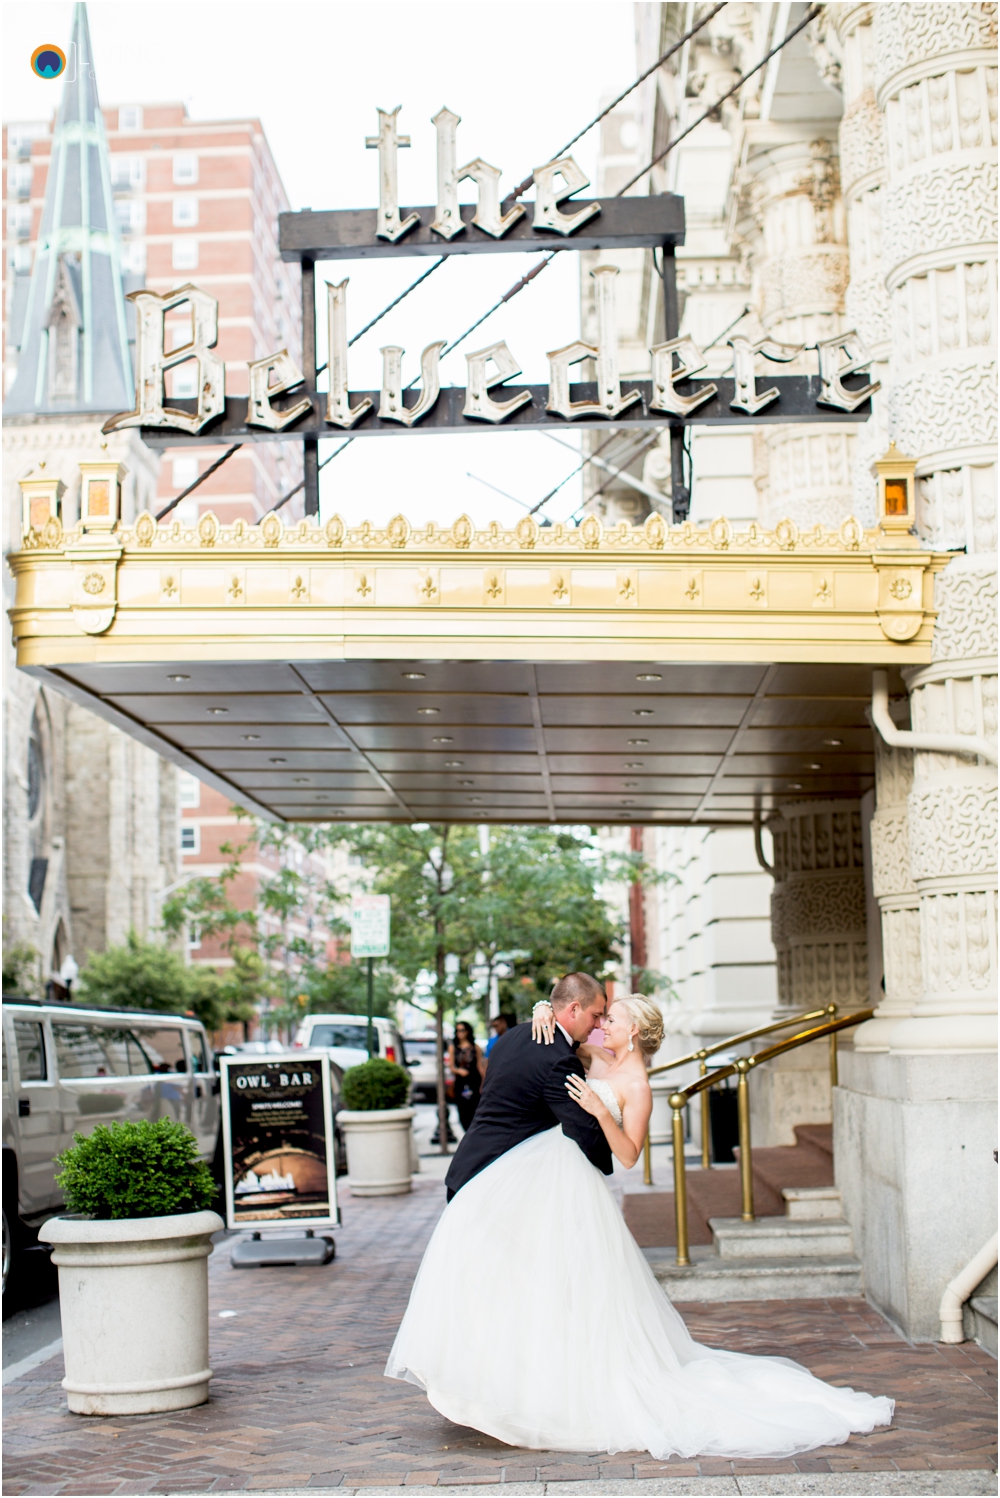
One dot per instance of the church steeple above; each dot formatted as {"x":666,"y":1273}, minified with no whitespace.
{"x":74,"y":354}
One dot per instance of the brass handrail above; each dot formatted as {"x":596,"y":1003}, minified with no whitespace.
{"x":740,"y":1068}
{"x":701,"y":1056}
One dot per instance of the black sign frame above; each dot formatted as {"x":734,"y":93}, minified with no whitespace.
{"x":289,"y":1144}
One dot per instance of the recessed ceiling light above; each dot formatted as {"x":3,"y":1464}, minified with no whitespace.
{"x":179,"y":676}
{"x":336,"y":811}
{"x":277,"y":760}
{"x":251,"y":738}
{"x":642,"y":712}
{"x":649,"y":676}
{"x":302,"y":780}
{"x":476,"y":800}
{"x":634,"y":743}
{"x":630,"y":785}
{"x":466,"y":782}
{"x":796,"y":785}
{"x":443,"y":739}
{"x":814,"y":767}
{"x":627,"y":802}
{"x":833,"y":743}
{"x":453,"y":764}
{"x":413,"y":675}
{"x":634,"y":764}
{"x":428,"y":712}
{"x":217,"y":712}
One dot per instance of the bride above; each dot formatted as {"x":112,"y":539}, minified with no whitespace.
{"x":582,"y":1350}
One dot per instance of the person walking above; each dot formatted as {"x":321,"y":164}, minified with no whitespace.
{"x":468,"y":1067}
{"x":499,"y":1024}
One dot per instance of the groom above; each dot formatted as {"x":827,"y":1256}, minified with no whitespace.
{"x":525,"y":1089}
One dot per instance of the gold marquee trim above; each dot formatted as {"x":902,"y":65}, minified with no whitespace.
{"x":242,"y":591}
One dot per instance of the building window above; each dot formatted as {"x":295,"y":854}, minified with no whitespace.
{"x":185,"y":254}
{"x":130,"y":117}
{"x":190,"y":838}
{"x":127,"y":172}
{"x":130,"y":216}
{"x":133,"y":259}
{"x":185,"y":471}
{"x":21,"y":259}
{"x":185,"y":168}
{"x":184,"y":383}
{"x":188,"y":786}
{"x":185,"y":213}
{"x":21,"y":176}
{"x":63,"y":323}
{"x":19,"y":219}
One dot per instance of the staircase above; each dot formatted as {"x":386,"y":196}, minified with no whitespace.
{"x":799,"y":1247}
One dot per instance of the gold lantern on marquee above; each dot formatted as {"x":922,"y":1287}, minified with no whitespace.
{"x":41,"y":500}
{"x":897,"y":504}
{"x":100,"y":494}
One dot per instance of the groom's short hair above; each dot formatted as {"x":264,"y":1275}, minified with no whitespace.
{"x":579,"y":988}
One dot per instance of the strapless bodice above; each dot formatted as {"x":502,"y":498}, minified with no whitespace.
{"x":606,"y":1093}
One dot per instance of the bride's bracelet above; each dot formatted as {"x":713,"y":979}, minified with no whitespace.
{"x":541,"y":1004}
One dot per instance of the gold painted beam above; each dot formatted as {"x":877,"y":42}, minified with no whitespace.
{"x":273,"y":592}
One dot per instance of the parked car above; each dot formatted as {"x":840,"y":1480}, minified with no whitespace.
{"x":421,"y":1055}
{"x":67,"y":1069}
{"x":345,"y":1038}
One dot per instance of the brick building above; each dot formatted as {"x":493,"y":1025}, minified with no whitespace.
{"x":193,"y":200}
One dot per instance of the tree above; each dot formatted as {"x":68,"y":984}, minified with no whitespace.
{"x":526,"y":897}
{"x":144,"y":975}
{"x":20,"y":969}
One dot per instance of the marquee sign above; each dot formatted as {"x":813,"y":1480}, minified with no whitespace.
{"x":284,"y":403}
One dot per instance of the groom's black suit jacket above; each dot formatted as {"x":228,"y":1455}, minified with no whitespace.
{"x":524,"y":1094}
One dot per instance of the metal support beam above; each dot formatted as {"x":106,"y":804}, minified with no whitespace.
{"x":543,"y":758}
{"x":680,"y":493}
{"x":310,"y":446}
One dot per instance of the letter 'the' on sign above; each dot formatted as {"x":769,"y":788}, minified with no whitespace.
{"x":548,"y":196}
{"x":840,"y":356}
{"x":388,"y":143}
{"x":745,"y":396}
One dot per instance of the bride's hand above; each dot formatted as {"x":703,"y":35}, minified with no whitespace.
{"x":584,"y":1095}
{"x":543,"y":1024}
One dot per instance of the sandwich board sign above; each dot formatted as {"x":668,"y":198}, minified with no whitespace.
{"x":370,"y":926}
{"x":277,"y":1127}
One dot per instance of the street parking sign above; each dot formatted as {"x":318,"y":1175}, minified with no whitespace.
{"x":370,"y":926}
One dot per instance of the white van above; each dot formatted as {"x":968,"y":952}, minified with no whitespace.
{"x":345,"y":1037}
{"x":67,"y":1069}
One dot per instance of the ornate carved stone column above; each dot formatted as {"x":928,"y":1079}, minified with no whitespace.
{"x":800,"y":269}
{"x":953,"y":823}
{"x":897,"y":896}
{"x":819,"y":931}
{"x":936,"y":86}
{"x":863,"y":181}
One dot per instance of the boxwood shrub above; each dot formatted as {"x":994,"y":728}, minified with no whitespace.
{"x":138,"y":1169}
{"x":375,"y":1084}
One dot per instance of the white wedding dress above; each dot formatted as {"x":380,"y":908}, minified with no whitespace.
{"x":536,"y":1319}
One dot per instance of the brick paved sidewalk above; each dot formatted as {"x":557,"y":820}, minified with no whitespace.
{"x":299,"y":1400}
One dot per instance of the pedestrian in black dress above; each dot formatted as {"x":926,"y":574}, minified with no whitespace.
{"x":468,"y":1067}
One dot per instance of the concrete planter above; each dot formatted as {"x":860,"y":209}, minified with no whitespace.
{"x":378,"y":1150}
{"x":133,"y":1298}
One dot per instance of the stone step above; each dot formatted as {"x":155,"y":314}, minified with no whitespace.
{"x":812,"y":1202}
{"x":781,"y":1238}
{"x":983,"y":1311}
{"x":710,"y":1277}
{"x":817,"y":1137}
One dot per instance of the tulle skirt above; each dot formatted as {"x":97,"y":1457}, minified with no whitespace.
{"x":536,"y":1319}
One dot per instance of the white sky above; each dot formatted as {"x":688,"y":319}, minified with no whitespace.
{"x":524,"y":76}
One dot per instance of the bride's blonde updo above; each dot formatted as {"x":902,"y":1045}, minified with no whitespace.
{"x":644,"y":1013}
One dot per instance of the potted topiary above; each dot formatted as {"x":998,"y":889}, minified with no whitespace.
{"x":376,"y":1124}
{"x":132,"y":1252}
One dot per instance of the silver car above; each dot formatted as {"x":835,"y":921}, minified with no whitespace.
{"x":67,"y":1069}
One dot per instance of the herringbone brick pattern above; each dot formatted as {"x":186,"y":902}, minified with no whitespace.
{"x":299,"y":1400}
